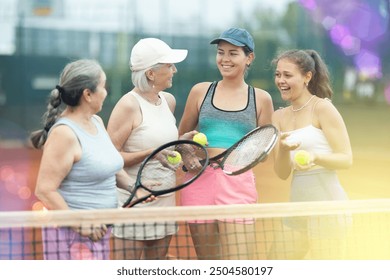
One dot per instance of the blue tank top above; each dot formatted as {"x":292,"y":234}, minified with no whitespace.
{"x":224,"y":128}
{"x":91,"y":183}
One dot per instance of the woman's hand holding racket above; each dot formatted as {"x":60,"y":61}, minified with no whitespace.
{"x":158,"y":173}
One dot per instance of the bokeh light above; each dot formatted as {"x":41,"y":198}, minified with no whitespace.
{"x":308,"y":4}
{"x":354,"y":19}
{"x":338,"y":32}
{"x":368,"y":64}
{"x":340,"y":35}
{"x":17,"y":178}
{"x":366,"y":23}
{"x":6,"y":173}
{"x":37,"y":206}
{"x":350,"y":45}
{"x":358,"y":28}
{"x":328,"y":22}
{"x":24,"y":193}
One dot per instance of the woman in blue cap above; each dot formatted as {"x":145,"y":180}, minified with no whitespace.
{"x":225,"y":111}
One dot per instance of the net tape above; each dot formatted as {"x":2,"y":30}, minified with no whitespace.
{"x":184,"y":213}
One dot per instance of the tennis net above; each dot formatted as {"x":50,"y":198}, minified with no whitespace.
{"x":356,"y":229}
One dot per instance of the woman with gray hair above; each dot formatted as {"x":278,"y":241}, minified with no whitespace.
{"x":79,"y":162}
{"x":141,"y":121}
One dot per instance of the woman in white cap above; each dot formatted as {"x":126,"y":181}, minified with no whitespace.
{"x":141,"y":121}
{"x":225,"y":111}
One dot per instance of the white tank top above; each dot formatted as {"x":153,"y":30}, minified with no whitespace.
{"x":158,"y":127}
{"x":311,"y":139}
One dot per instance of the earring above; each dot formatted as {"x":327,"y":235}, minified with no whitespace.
{"x":306,"y":84}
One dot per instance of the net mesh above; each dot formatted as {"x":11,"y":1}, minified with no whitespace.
{"x":306,"y":230}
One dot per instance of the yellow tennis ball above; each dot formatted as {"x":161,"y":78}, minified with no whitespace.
{"x":302,"y":157}
{"x":200,"y":138}
{"x":174,"y":159}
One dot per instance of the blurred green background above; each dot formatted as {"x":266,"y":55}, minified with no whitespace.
{"x":38,"y":37}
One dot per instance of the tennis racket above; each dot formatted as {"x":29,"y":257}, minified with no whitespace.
{"x":158,"y":175}
{"x":251,"y":149}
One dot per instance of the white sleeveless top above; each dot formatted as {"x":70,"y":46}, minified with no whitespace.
{"x":158,"y":127}
{"x":311,"y":139}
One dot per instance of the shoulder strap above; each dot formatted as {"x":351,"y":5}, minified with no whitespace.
{"x":71,"y":125}
{"x":315,"y":104}
{"x":212,"y":87}
{"x":136,"y":95}
{"x":209,"y":94}
{"x":252,"y":97}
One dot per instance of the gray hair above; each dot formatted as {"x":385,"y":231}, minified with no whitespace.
{"x":75,"y":78}
{"x":141,"y":81}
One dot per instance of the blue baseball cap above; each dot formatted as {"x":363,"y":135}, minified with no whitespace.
{"x":236,"y":36}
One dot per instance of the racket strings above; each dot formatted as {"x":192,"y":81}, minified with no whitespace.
{"x":157,"y":177}
{"x":162,"y":176}
{"x":250,"y":149}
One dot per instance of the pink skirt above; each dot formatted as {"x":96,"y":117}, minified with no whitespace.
{"x":214,"y":187}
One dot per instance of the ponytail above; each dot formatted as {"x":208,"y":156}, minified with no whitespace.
{"x":310,"y":61}
{"x":39,"y":137}
{"x":75,"y":78}
{"x":320,"y":82}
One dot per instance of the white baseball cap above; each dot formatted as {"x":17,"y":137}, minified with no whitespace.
{"x":150,"y":51}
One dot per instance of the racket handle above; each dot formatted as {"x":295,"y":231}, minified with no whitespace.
{"x":131,"y":203}
{"x":133,"y":193}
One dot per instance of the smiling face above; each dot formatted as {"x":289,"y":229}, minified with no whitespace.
{"x":231,"y":60}
{"x":289,"y":80}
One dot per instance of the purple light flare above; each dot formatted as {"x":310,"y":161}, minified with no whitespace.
{"x":369,"y":64}
{"x":308,"y":4}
